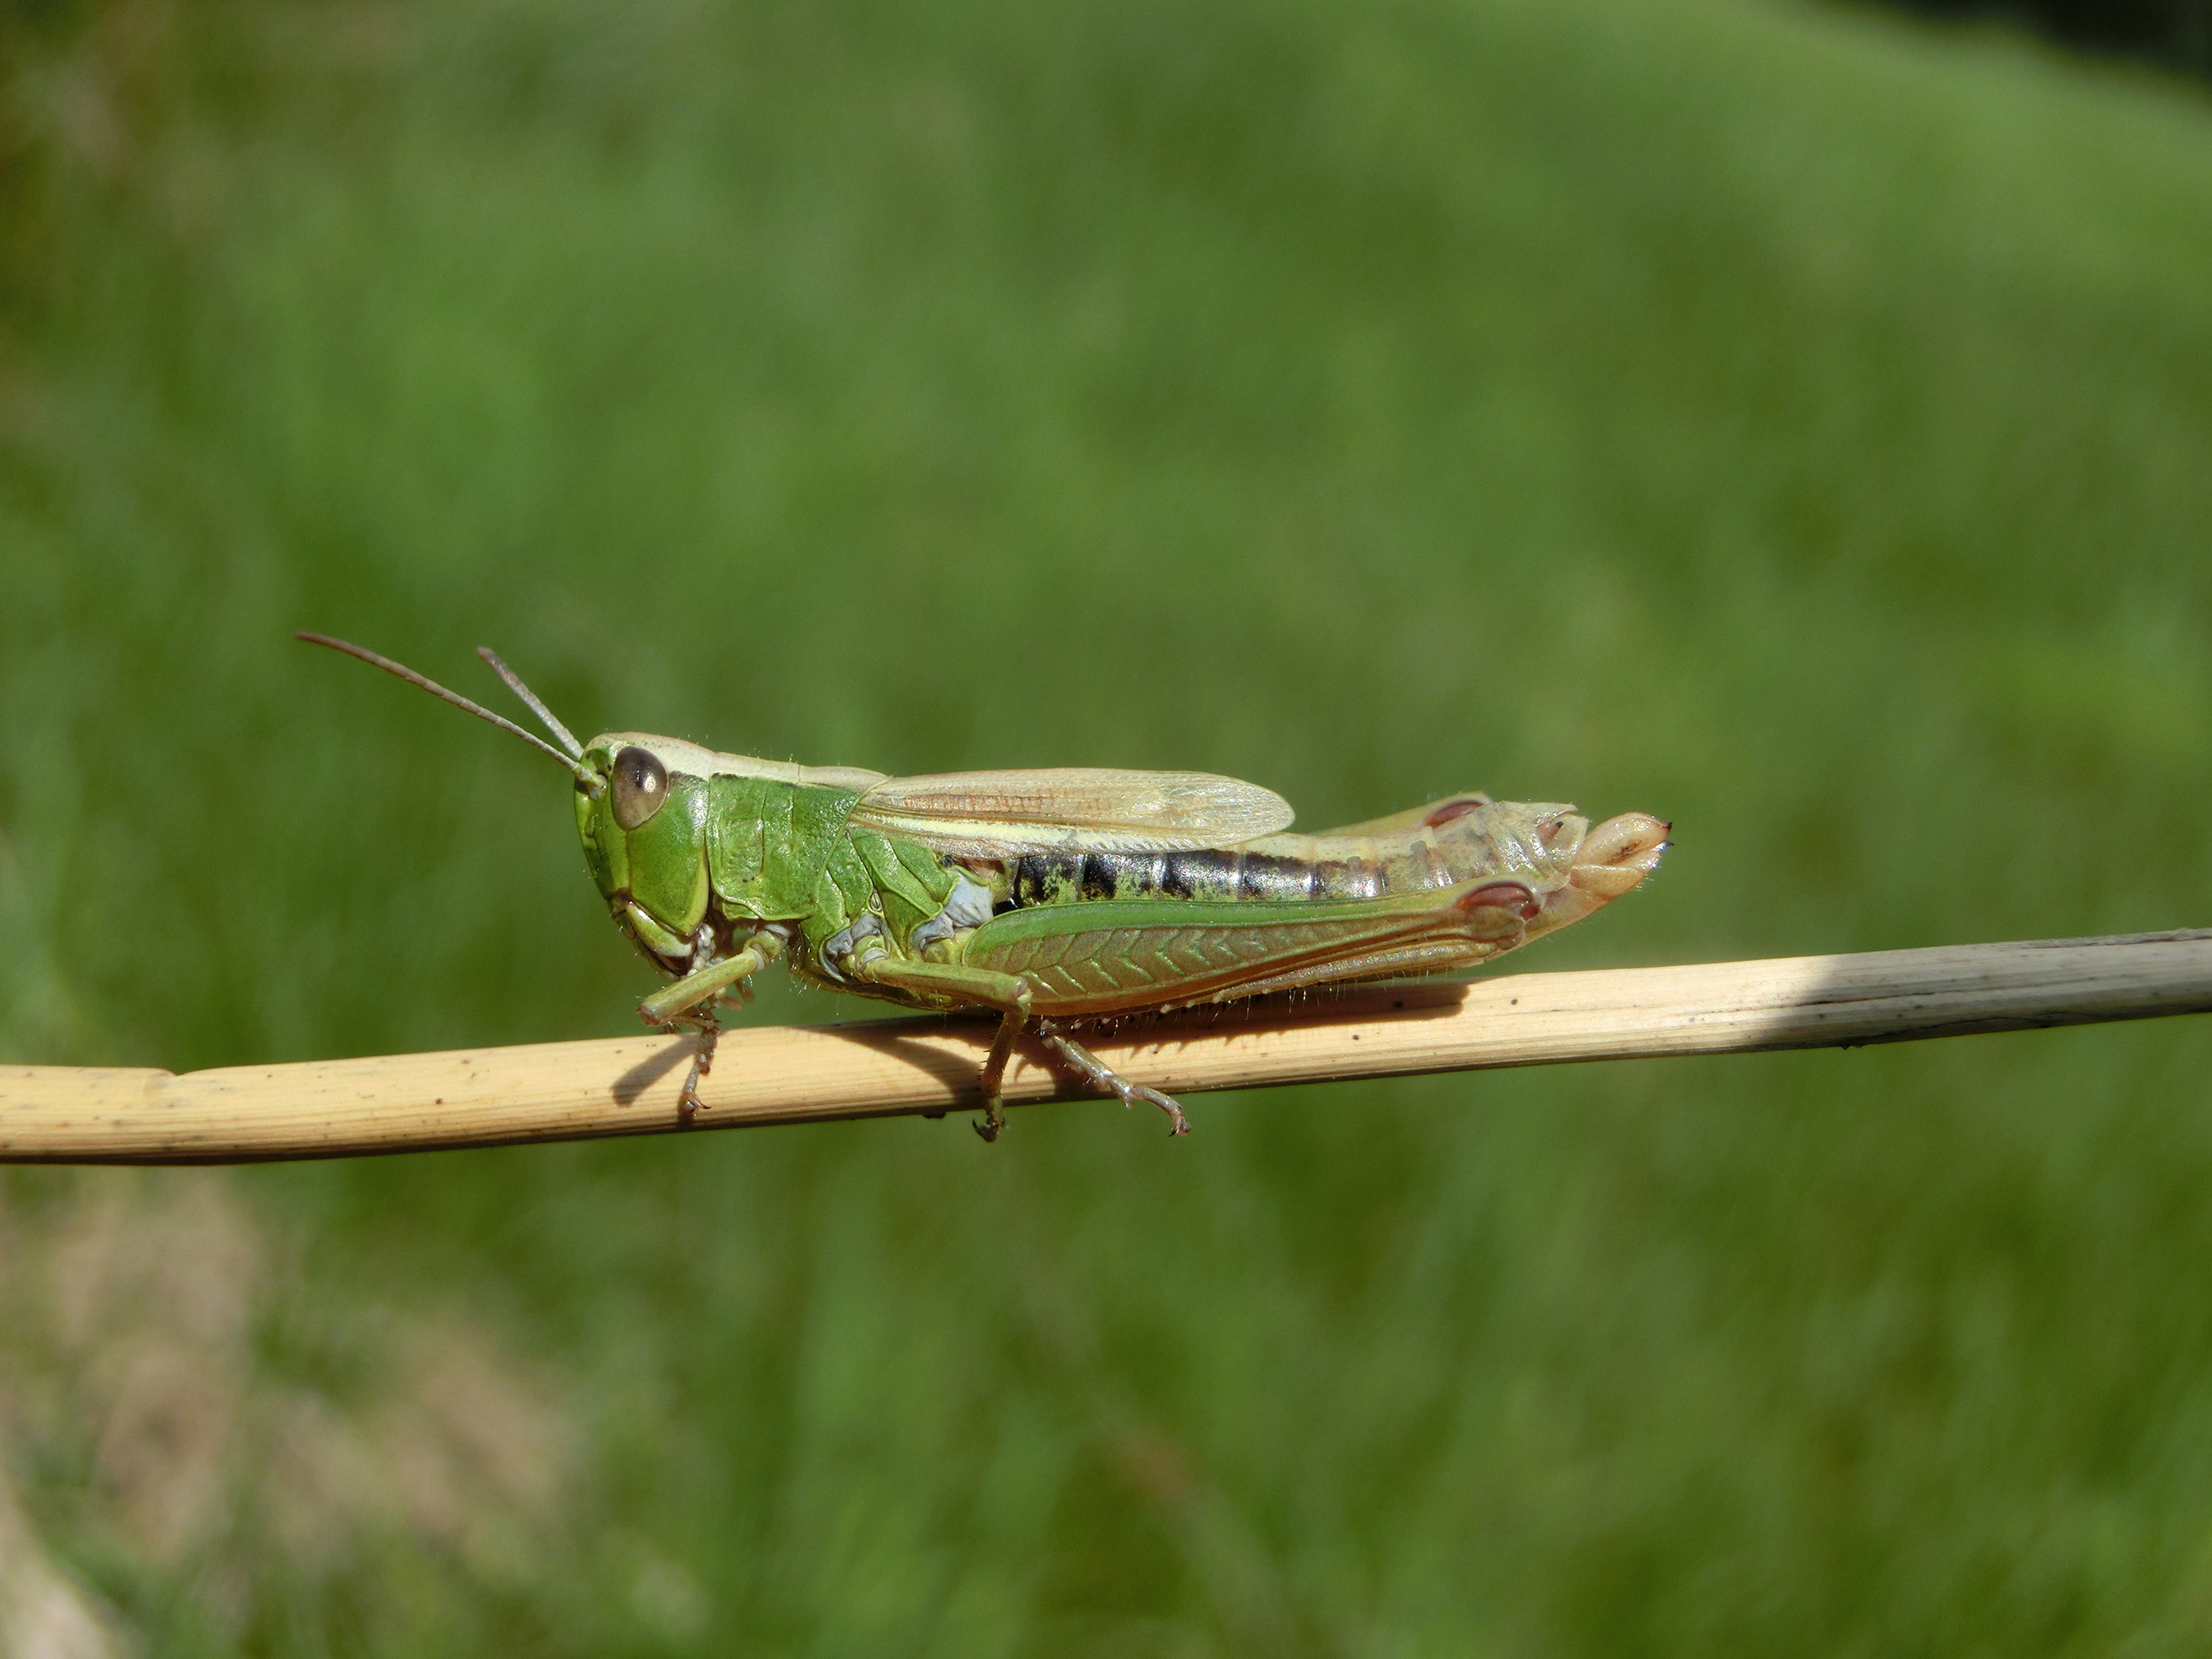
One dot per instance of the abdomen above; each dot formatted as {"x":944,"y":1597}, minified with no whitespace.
{"x":1441,"y":846}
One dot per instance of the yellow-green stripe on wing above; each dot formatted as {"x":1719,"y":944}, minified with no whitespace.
{"x":1060,"y":809}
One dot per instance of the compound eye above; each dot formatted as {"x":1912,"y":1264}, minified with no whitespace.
{"x":641,"y":785}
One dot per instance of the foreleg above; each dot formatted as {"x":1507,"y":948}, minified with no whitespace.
{"x":689,"y":1003}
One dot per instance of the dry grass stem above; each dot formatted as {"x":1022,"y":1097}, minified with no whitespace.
{"x":784,"y":1074}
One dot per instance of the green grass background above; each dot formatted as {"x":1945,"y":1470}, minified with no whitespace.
{"x":1789,"y":422}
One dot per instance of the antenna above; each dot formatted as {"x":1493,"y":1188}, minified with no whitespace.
{"x":430,"y":685}
{"x":515,"y":685}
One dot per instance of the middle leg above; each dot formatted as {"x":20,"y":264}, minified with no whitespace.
{"x":1008,"y":993}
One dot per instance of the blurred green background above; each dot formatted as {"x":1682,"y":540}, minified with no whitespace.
{"x":1790,"y":421}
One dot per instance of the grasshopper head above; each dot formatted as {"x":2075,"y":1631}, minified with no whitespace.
{"x":640,"y":813}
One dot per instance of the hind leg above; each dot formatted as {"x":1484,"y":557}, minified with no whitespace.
{"x":1110,"y":1082}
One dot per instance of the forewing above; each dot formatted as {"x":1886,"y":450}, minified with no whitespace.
{"x":985,"y":814}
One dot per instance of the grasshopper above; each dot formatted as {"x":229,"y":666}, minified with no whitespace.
{"x":1050,"y":897}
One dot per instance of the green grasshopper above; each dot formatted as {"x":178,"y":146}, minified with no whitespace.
{"x":1052,"y":897}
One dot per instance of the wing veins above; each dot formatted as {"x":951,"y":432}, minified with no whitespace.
{"x":1072,"y":809}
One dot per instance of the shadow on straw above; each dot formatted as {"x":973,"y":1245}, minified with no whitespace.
{"x":650,"y":1071}
{"x":1121,"y":1039}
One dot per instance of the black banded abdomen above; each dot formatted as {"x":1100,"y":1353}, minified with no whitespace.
{"x":1208,"y":875}
{"x":1466,"y":837}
